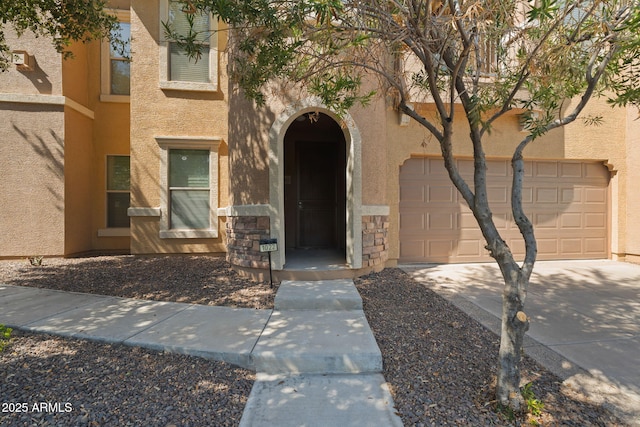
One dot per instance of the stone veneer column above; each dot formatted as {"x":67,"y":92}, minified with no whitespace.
{"x":243,"y":241}
{"x":375,"y":241}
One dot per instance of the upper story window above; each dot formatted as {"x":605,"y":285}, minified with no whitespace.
{"x":177,"y":70}
{"x":116,"y":61}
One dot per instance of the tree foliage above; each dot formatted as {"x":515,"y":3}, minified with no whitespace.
{"x":63,"y":21}
{"x":544,"y":59}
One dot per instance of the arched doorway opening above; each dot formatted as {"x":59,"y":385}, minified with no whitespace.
{"x":315,"y":194}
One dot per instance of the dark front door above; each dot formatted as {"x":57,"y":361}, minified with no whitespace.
{"x":318,"y":195}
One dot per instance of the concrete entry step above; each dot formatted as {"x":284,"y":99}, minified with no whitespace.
{"x":339,"y":294}
{"x":320,"y":400}
{"x":317,"y":341}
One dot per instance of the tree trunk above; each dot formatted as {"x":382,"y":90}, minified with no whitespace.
{"x":514,"y":325}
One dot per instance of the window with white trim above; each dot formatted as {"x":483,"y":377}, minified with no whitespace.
{"x":177,"y":70}
{"x":118,"y":173}
{"x":189,"y":187}
{"x":116,"y":61}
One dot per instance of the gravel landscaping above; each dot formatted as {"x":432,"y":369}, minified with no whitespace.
{"x":439,"y":362}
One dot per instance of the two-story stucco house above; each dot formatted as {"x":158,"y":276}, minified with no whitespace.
{"x":161,"y":155}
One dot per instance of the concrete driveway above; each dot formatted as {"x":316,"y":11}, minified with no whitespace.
{"x":585,"y":320}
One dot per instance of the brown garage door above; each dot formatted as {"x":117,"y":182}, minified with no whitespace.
{"x":567,"y":202}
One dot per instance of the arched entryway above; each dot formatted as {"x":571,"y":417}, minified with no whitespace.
{"x":315,"y":191}
{"x":353,"y":178}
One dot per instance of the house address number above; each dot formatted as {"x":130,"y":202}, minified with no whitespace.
{"x":268,"y":245}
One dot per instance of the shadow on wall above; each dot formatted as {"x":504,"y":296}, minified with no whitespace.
{"x":50,"y":149}
{"x":39,"y":79}
{"x":248,"y":150}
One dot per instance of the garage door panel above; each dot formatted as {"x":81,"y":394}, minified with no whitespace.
{"x":548,"y":246}
{"x":412,"y":250}
{"x":413,"y":221}
{"x":498,"y":194}
{"x":566,"y":201}
{"x":467,"y":221}
{"x":595,"y":245}
{"x":595,"y":195}
{"x":411,"y":193}
{"x":595,"y":220}
{"x":545,"y":169}
{"x":528,"y":168}
{"x":438,"y":247}
{"x":498,"y":169}
{"x":546,"y":195}
{"x":545,"y":220}
{"x":441,"y":194}
{"x":470,"y":248}
{"x":571,"y":220}
{"x":596,"y":171}
{"x":571,"y":247}
{"x":441,"y":221}
{"x":527,"y":195}
{"x":571,"y":170}
{"x":570,"y":195}
{"x":517,"y":246}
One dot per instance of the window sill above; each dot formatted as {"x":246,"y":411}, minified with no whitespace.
{"x":121,"y":99}
{"x":188,"y":86}
{"x":155,"y":212}
{"x":114,"y":232}
{"x":188,"y":234}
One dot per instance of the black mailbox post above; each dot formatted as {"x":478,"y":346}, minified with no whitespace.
{"x":269,"y":245}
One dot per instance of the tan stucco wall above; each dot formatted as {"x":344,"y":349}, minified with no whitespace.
{"x":69,"y":148}
{"x":32,"y":153}
{"x":372,"y":124}
{"x":78,"y":176}
{"x":78,"y":153}
{"x":632,"y":234}
{"x":45,"y":79}
{"x":156,"y":112}
{"x":249,"y":150}
{"x":32,"y":190}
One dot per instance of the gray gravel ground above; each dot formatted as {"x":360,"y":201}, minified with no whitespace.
{"x":438,"y":361}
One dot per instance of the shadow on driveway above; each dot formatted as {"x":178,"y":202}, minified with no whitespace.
{"x":585,"y":319}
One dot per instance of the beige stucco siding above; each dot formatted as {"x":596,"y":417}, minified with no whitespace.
{"x":157,"y":113}
{"x":249,"y":150}
{"x":32,"y":190}
{"x":32,"y":153}
{"x":46,"y":77}
{"x":78,"y":176}
{"x":632,"y":213}
{"x":372,"y":124}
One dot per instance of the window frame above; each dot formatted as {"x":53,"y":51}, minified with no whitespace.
{"x":164,"y":54}
{"x":188,"y":143}
{"x":113,"y":231}
{"x":123,"y":16}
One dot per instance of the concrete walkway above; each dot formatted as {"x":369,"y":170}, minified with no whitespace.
{"x":316,"y":359}
{"x":585,"y":320}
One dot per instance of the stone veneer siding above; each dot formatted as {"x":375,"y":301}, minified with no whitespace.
{"x":375,"y":240}
{"x":243,"y":241}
